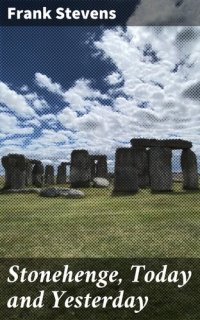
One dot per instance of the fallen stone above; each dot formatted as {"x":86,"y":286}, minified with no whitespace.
{"x":100,"y":182}
{"x":66,"y":193}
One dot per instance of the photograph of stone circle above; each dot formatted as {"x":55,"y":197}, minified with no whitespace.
{"x":100,"y":142}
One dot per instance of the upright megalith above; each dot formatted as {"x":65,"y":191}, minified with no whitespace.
{"x":141,"y":156}
{"x":38,"y":173}
{"x":190,"y":171}
{"x":80,"y":170}
{"x":15,"y":166}
{"x":61,"y":174}
{"x":102,"y":170}
{"x":160,"y":163}
{"x":29,"y":169}
{"x":98,"y":166}
{"x":49,"y":175}
{"x":125,"y":176}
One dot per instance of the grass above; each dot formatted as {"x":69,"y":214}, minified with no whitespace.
{"x":101,"y":225}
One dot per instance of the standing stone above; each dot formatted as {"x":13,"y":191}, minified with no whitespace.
{"x":125,"y":177}
{"x":142,"y":163}
{"x":190,"y":171}
{"x":15,"y":171}
{"x":29,"y":169}
{"x":61,"y":174}
{"x":93,"y":167}
{"x":80,"y":171}
{"x":160,"y":169}
{"x":102,"y":170}
{"x":49,"y":175}
{"x":38,"y":173}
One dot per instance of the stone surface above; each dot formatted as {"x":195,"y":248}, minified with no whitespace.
{"x":190,"y":171}
{"x":160,"y":169}
{"x":125,"y":176}
{"x":100,"y":182}
{"x":49,"y":175}
{"x":15,"y":166}
{"x":66,"y":193}
{"x":102,"y":170}
{"x":29,"y":169}
{"x":62,"y":174}
{"x":167,"y":143}
{"x":141,"y":156}
{"x":38,"y":173}
{"x":98,"y":166}
{"x":80,"y":170}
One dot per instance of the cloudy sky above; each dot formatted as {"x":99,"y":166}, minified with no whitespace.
{"x":94,"y":88}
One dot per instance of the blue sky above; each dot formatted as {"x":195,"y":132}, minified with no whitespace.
{"x":65,"y":88}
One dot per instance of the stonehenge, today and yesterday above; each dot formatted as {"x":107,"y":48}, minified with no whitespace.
{"x":146,"y":164}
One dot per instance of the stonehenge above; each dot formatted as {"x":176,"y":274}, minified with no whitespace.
{"x":165,"y":143}
{"x":149,"y":164}
{"x":146,"y":164}
{"x":80,"y":169}
{"x":15,"y":166}
{"x":98,"y":166}
{"x":38,"y":174}
{"x":61,"y":174}
{"x":125,"y":177}
{"x":49,"y":175}
{"x":160,"y":166}
{"x":189,"y":168}
{"x":142,"y":163}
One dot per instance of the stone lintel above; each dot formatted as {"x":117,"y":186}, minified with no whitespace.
{"x":166,"y":143}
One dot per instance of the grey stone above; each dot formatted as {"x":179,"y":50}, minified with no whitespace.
{"x":189,"y":168}
{"x":165,"y":143}
{"x":98,"y":166}
{"x":61,"y":174}
{"x":15,"y":166}
{"x":100,"y":182}
{"x":38,"y":173}
{"x":80,"y":171}
{"x":71,"y":193}
{"x":49,"y":175}
{"x":102,"y":170}
{"x":141,"y":156}
{"x":29,"y":169}
{"x":161,"y":178}
{"x":126,"y":175}
{"x":66,"y":193}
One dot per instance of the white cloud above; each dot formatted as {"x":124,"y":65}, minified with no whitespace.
{"x":151,"y":100}
{"x":45,"y":82}
{"x":10,"y":125}
{"x":14,"y":101}
{"x":24,"y":88}
{"x":37,"y":102}
{"x":33,"y":122}
{"x":113,"y":78}
{"x":79,"y":97}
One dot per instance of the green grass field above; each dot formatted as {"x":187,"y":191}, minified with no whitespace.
{"x":101,"y":225}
